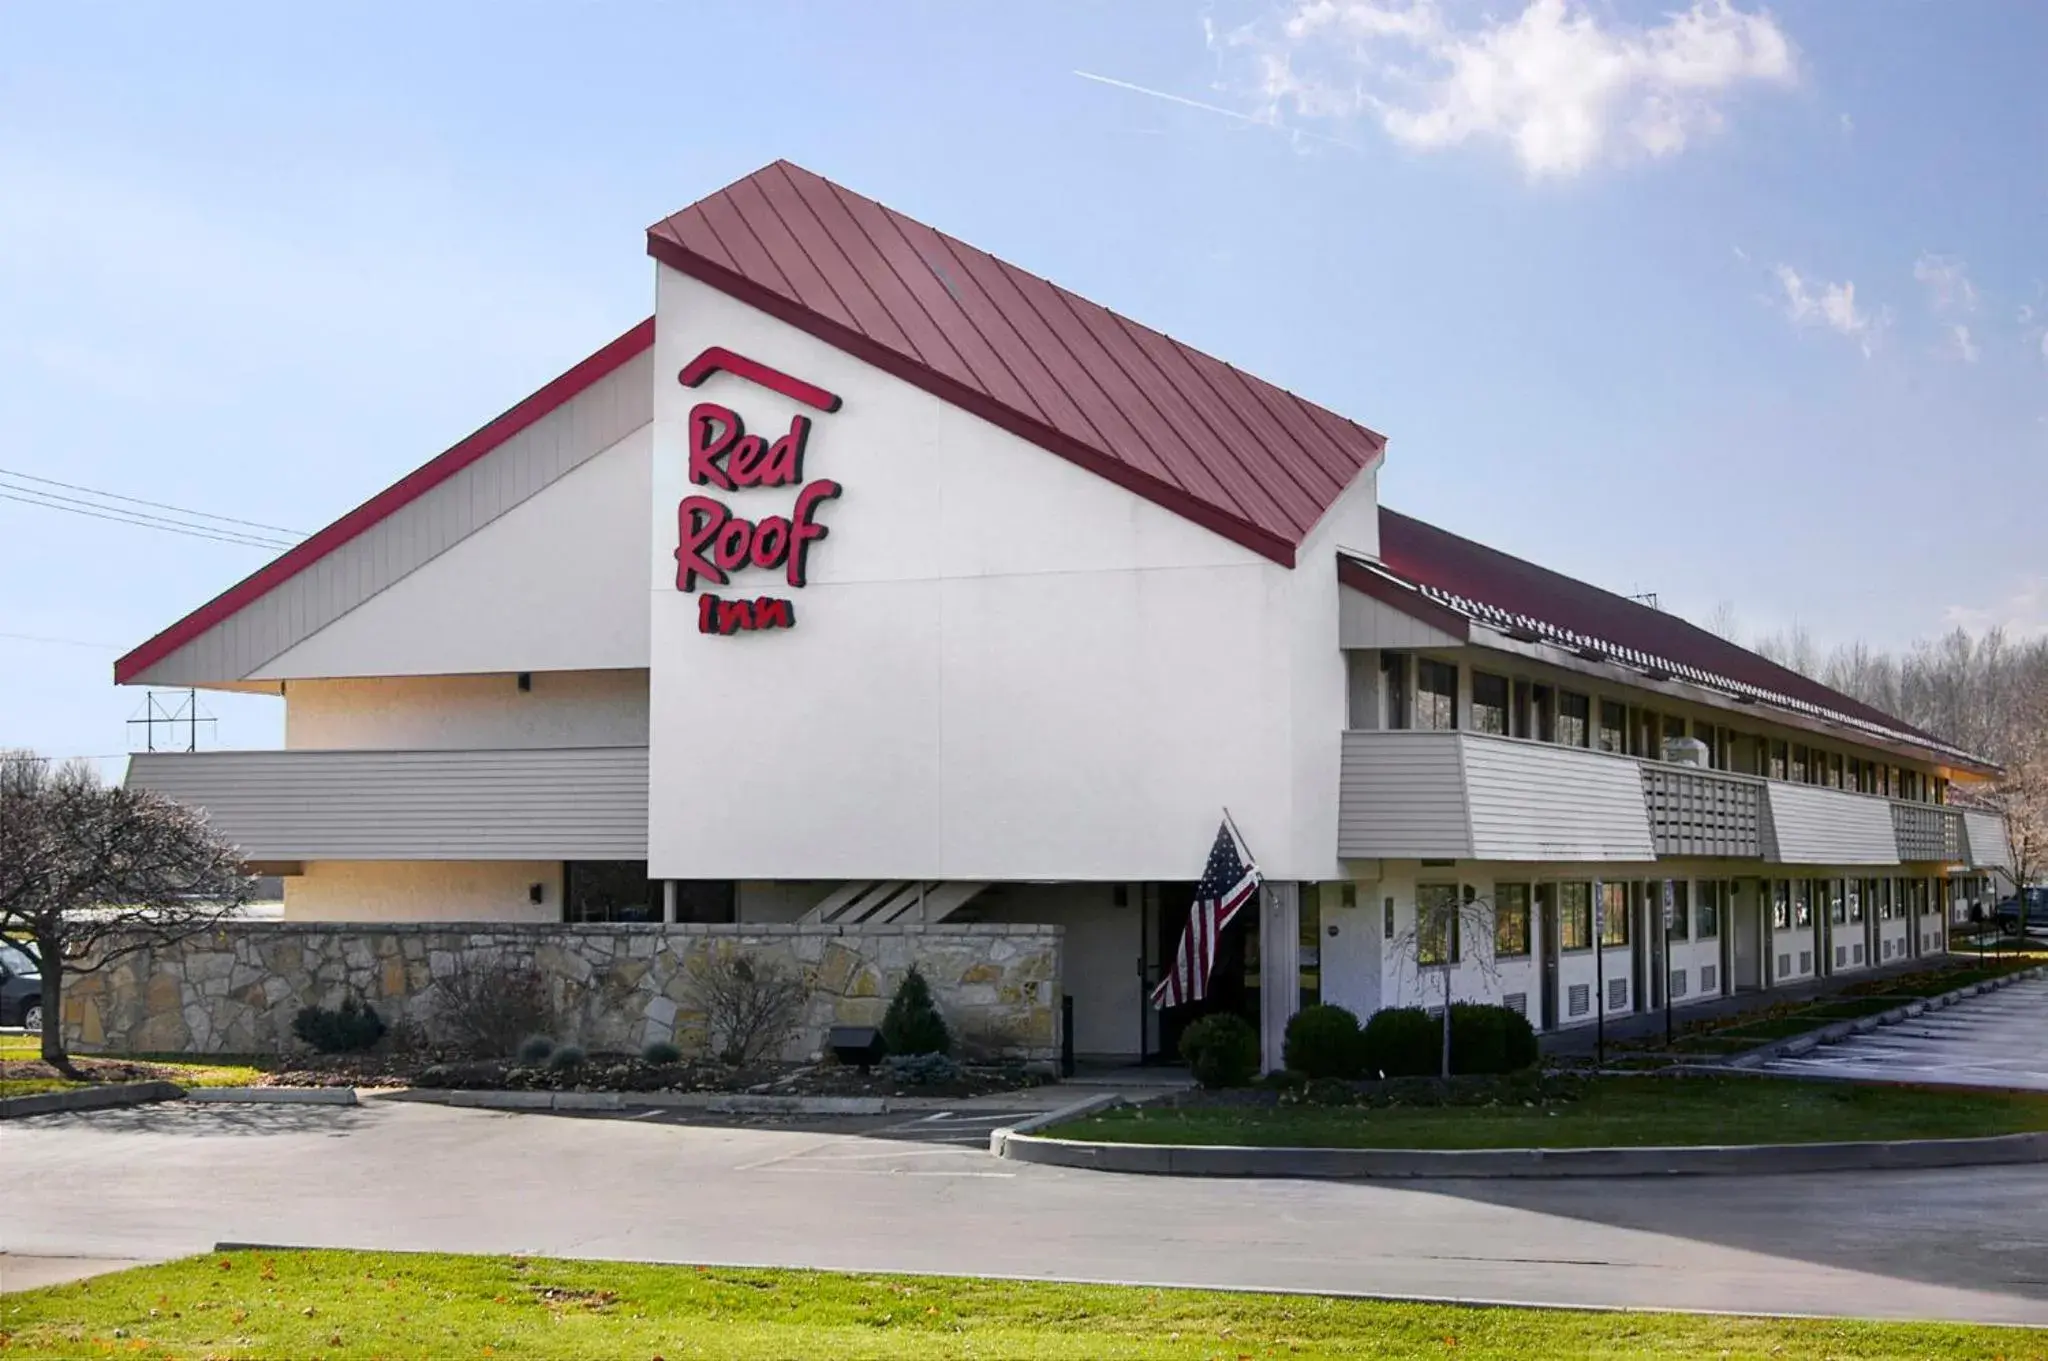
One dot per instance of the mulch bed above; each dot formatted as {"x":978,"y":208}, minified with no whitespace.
{"x":89,"y":1070}
{"x":609,"y":1073}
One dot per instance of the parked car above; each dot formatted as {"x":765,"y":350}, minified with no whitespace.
{"x":21,"y":988}
{"x":2026,"y":910}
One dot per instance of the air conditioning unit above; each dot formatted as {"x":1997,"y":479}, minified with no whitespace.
{"x":1687,"y":751}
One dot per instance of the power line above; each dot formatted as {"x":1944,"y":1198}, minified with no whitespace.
{"x":51,"y":496}
{"x":64,"y":642}
{"x":152,"y":522}
{"x":157,"y":505}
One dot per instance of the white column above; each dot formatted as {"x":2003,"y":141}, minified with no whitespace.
{"x":1279,"y":966}
{"x":668,"y":900}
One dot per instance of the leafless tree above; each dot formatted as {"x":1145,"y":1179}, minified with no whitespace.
{"x":1449,"y":930}
{"x":751,"y":1006}
{"x":90,"y":873}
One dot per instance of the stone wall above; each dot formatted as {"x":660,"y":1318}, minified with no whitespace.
{"x":235,"y":990}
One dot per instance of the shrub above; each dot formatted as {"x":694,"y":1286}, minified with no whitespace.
{"x":661,"y":1053}
{"x":923,"y":1070}
{"x":751,"y":1007}
{"x":1222,"y":1050}
{"x":534,"y":1049}
{"x":1490,"y":1039}
{"x":912,"y":1025}
{"x":567,"y":1057}
{"x":1324,"y":1041}
{"x":1401,"y":1042}
{"x":488,"y":1008}
{"x":346,"y":1029}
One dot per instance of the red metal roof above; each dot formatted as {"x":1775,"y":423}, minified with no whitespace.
{"x":1509,"y":590}
{"x":1218,"y":446}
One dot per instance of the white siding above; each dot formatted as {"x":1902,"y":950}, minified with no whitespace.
{"x":596,"y":419}
{"x":440,"y":713}
{"x":1363,"y":622}
{"x":1530,"y":801}
{"x":1402,"y":794}
{"x":1989,"y":848}
{"x":579,"y":803}
{"x":1815,"y":826}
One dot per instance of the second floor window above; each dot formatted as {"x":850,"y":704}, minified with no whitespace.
{"x":1436,"y":694}
{"x":1574,"y":714}
{"x":1613,"y":735}
{"x":1489,"y":703}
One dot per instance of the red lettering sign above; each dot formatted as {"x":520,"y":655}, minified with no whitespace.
{"x":712,"y":543}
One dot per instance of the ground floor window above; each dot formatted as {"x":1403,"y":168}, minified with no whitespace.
{"x":1855,"y":892}
{"x":1781,"y":905}
{"x":1510,"y":920}
{"x":706,"y":900}
{"x":1802,"y":902}
{"x":1681,"y":910}
{"x":1713,"y":898}
{"x":1436,"y":924}
{"x":609,"y":891}
{"x":1838,"y":909}
{"x":1614,"y":914}
{"x":1575,"y":916}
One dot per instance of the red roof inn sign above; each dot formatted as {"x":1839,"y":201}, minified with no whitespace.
{"x":712,"y":543}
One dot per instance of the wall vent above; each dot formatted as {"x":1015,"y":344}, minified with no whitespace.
{"x":1678,"y":982}
{"x":1841,"y":955}
{"x":1516,"y":1001}
{"x":1856,"y":955}
{"x":1617,"y":994}
{"x":1784,"y":965}
{"x":1578,"y":999}
{"x":1710,"y":978}
{"x":1884,"y":950}
{"x":1806,"y":961}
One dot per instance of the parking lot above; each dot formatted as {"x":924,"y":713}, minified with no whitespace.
{"x":1997,"y":1039}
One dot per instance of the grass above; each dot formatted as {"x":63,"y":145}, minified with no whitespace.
{"x":1614,"y":1112}
{"x":356,"y":1304}
{"x":167,"y":1068}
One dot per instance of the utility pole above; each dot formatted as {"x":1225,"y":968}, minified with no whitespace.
{"x":1599,"y":976}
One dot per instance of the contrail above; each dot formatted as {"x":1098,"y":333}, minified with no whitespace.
{"x":1233,"y":114}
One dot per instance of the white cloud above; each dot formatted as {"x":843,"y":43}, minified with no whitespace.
{"x":2023,"y":614}
{"x":1947,"y":280}
{"x":1848,"y":123}
{"x":1819,"y":303}
{"x":1966,"y":348}
{"x":1560,"y":86}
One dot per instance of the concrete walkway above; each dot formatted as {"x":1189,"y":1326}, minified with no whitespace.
{"x":174,"y":1179}
{"x":1997,"y":1039}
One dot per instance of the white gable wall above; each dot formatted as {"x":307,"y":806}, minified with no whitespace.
{"x":1004,"y":666}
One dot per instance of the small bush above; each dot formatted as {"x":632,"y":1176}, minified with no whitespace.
{"x":661,"y":1053}
{"x":923,"y":1070}
{"x":1222,"y":1050}
{"x":567,"y":1057}
{"x":1402,"y":1042}
{"x":912,"y":1025}
{"x":1324,"y":1041}
{"x":1490,"y":1039}
{"x":346,"y":1029}
{"x":488,"y":1007}
{"x":1283,"y":1080}
{"x":751,"y":1007}
{"x":534,"y":1049}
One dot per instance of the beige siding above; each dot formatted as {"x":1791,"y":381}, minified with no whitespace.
{"x":1363,"y":622}
{"x":1402,"y":794}
{"x":421,"y":713}
{"x":1988,"y":847}
{"x":580,"y":803}
{"x":402,"y":542}
{"x":1815,"y":826}
{"x":1530,"y":801}
{"x":425,"y":890}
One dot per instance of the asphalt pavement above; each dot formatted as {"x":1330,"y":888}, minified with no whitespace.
{"x":1996,"y":1039}
{"x":920,"y":1193}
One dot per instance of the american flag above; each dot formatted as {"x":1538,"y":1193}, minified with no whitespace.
{"x":1228,"y":883}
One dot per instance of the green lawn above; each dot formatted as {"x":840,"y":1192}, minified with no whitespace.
{"x":1614,"y":1112}
{"x":353,"y":1304}
{"x":169,"y":1068}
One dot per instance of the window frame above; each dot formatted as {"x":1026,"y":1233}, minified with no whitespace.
{"x":1584,"y":719}
{"x":1610,"y":939}
{"x":1488,"y":679}
{"x":1427,"y":947}
{"x":1435,"y":710}
{"x":1574,"y":921}
{"x":1526,"y":912}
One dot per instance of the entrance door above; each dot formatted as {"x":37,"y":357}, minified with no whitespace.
{"x":1546,"y":928}
{"x":1746,"y":923}
{"x":1229,"y":983}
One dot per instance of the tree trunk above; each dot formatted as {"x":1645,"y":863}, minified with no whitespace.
{"x":52,"y":964}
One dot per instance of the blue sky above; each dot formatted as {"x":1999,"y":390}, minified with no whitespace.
{"x":1742,"y":306}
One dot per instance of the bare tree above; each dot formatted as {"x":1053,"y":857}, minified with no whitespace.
{"x":1450,"y":928}
{"x":751,"y":1006}
{"x":91,"y":873}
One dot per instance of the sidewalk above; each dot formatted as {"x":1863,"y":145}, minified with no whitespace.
{"x":1650,"y":1024}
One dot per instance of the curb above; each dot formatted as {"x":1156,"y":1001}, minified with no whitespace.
{"x":1188,"y":1160}
{"x":89,"y":1098}
{"x":716,"y":1102}
{"x":999,"y":1139}
{"x":1833,"y":1033}
{"x":275,"y":1096}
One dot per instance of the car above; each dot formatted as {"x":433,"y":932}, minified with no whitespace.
{"x":21,"y":988}
{"x":2033,"y":902}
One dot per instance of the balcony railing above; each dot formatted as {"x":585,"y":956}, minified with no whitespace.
{"x":1703,"y":812}
{"x":1929,"y":831}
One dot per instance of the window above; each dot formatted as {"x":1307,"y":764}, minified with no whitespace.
{"x":1543,"y":700}
{"x":1855,"y":892}
{"x":1781,"y":905}
{"x":1713,"y":896}
{"x":1613,"y":734}
{"x":1574,"y":713}
{"x":1510,"y":920}
{"x":1802,"y":902}
{"x":1835,"y":770}
{"x":609,"y":891}
{"x":1436,"y":694}
{"x":1436,"y":924}
{"x":1643,"y":736}
{"x":1394,"y":684}
{"x":706,"y":900}
{"x":1798,"y":772}
{"x":1711,"y":735}
{"x":1779,"y":761}
{"x":1838,"y":909}
{"x":1523,"y":706}
{"x":1681,"y":909}
{"x":1614,"y":913}
{"x":1575,"y":916}
{"x":1489,"y":703}
{"x":1387,"y":920}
